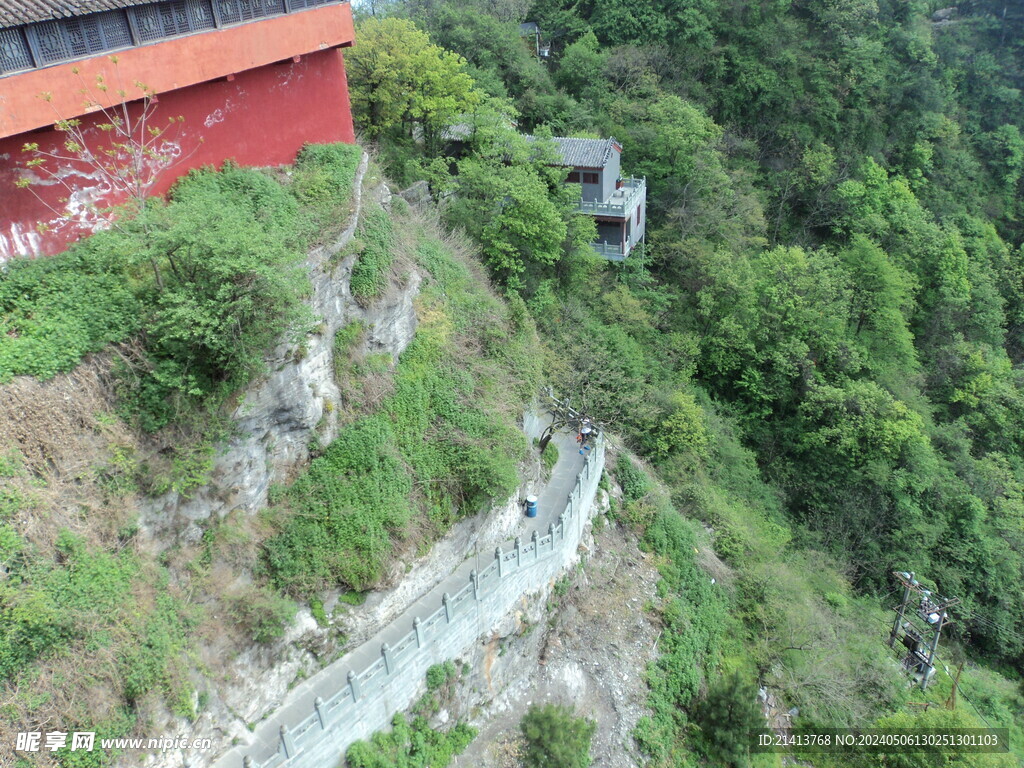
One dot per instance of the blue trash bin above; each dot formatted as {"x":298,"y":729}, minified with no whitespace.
{"x":531,"y":506}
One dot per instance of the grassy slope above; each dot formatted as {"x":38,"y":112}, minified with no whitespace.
{"x":439,"y":444}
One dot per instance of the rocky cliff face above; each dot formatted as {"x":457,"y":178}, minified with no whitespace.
{"x":280,"y":415}
{"x":277,"y":420}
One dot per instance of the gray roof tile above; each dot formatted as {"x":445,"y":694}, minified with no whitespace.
{"x":13,"y":13}
{"x":582,"y":153}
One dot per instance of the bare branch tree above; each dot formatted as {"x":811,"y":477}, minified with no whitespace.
{"x":126,"y":150}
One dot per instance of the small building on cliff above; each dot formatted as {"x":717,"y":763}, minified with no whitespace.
{"x":618,"y":205}
{"x":245,"y":80}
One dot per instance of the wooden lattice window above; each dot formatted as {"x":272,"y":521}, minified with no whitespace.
{"x":80,"y":36}
{"x":14,"y":51}
{"x":295,"y":5}
{"x":158,"y":21}
{"x":234,"y":11}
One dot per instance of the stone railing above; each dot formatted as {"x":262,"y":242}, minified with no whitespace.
{"x":622,"y":201}
{"x":365,"y":700}
{"x":610,"y":251}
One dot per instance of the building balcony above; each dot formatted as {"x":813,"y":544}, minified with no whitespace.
{"x":622,"y":202}
{"x":611,"y":251}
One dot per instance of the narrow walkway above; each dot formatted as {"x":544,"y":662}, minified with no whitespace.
{"x":298,"y":702}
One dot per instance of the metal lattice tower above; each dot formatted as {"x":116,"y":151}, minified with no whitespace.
{"x":919,"y":627}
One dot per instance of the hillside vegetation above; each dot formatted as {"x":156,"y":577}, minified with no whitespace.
{"x":815,"y":359}
{"x":818,"y":350}
{"x":122,"y":362}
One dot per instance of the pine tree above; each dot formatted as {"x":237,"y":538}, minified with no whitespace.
{"x":727,"y":717}
{"x":556,"y":738}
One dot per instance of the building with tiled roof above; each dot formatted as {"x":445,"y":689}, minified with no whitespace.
{"x":618,"y":205}
{"x":252,"y":80}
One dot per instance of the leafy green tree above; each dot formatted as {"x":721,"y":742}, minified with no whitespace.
{"x":581,"y":68}
{"x":881,"y":305}
{"x":511,"y":198}
{"x":555,"y":737}
{"x":618,"y":22}
{"x":858,"y":424}
{"x":936,"y":720}
{"x":399,"y":79}
{"x":502,"y":63}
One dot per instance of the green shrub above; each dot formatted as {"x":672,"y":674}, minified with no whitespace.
{"x":346,"y":338}
{"x":633,"y":481}
{"x":351,"y":597}
{"x":695,"y":619}
{"x":40,"y":601}
{"x":262,"y":613}
{"x":316,"y":607}
{"x":555,"y":737}
{"x":439,"y":674}
{"x":87,"y":594}
{"x":727,"y":716}
{"x":407,"y":745}
{"x":370,"y":272}
{"x":56,"y":310}
{"x":230,"y":257}
{"x":119,"y":724}
{"x":11,"y":464}
{"x":11,"y":501}
{"x":324,"y":174}
{"x":549,"y":457}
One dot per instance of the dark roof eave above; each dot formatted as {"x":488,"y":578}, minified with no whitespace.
{"x":15,"y":13}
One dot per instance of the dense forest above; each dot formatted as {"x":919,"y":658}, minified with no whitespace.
{"x":819,"y":348}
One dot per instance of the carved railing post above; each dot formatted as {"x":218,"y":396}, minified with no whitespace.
{"x":519,"y":552}
{"x":476,"y":584}
{"x":288,"y":742}
{"x":498,"y":556}
{"x":536,"y":545}
{"x":419,"y":632}
{"x":318,"y":704}
{"x":389,"y":658}
{"x":446,"y":600}
{"x":353,"y":683}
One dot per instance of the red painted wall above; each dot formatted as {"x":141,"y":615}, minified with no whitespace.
{"x":262,"y":117}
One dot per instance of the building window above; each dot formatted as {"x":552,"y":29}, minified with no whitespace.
{"x":590,"y":178}
{"x":573,"y":177}
{"x":50,"y":42}
{"x":14,"y":53}
{"x":234,"y":11}
{"x":296,"y":5}
{"x":158,"y":21}
{"x":80,"y":36}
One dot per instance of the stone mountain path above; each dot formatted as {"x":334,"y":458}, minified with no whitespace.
{"x":298,"y":702}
